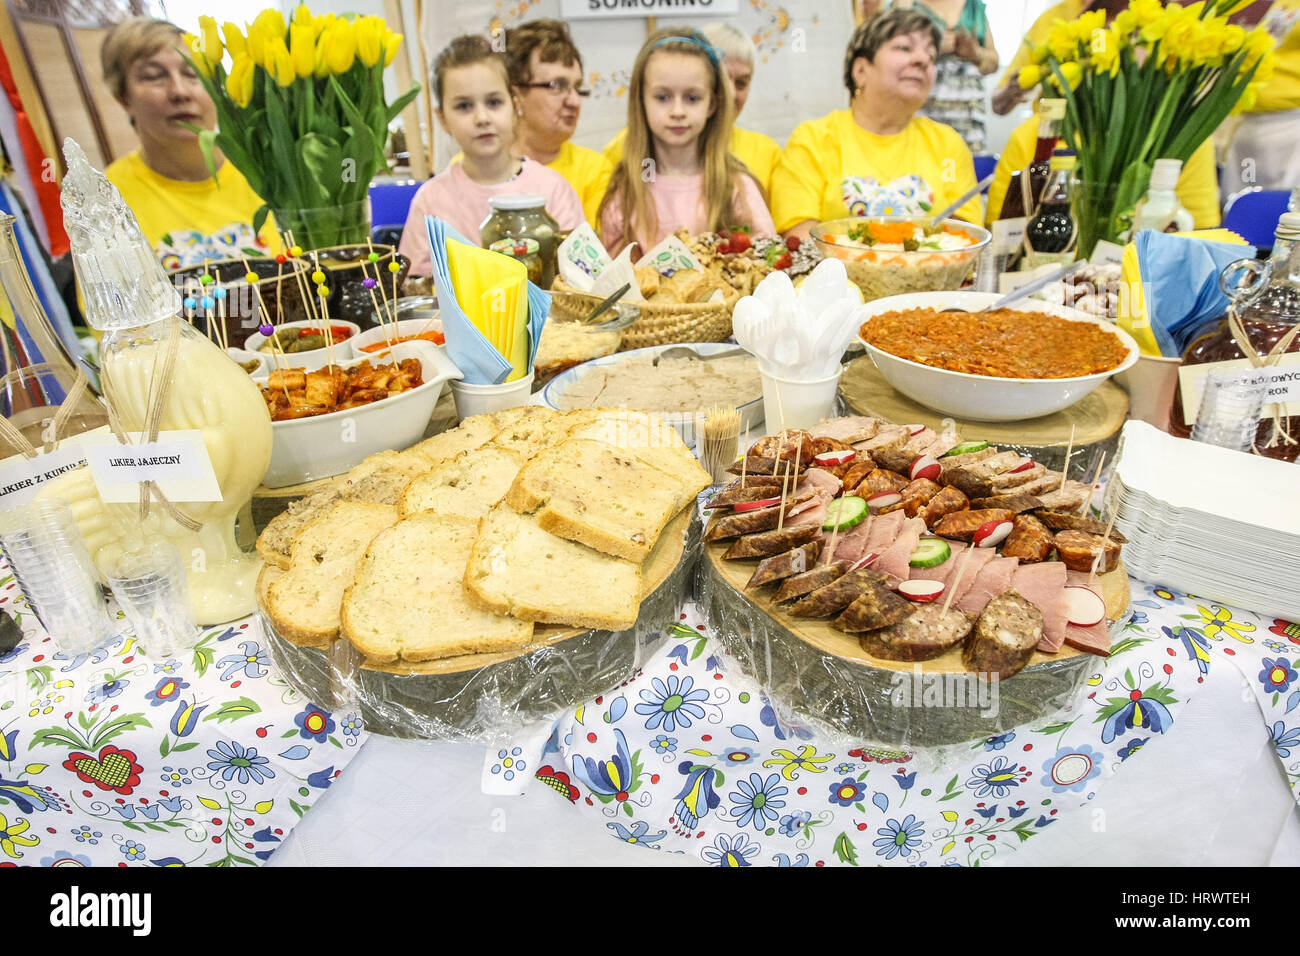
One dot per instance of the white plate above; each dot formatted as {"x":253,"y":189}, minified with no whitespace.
{"x":316,"y":358}
{"x":751,"y":412}
{"x":305,"y":449}
{"x":986,"y":398}
{"x":380,"y":334}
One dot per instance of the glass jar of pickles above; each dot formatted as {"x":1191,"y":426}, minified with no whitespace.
{"x":527,"y":251}
{"x":521,"y":216}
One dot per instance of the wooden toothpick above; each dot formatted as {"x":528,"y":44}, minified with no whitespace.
{"x":1096,"y":476}
{"x":961,"y":570}
{"x":1069,"y":450}
{"x":1101,"y":552}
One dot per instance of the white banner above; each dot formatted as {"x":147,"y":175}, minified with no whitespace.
{"x":623,"y":9}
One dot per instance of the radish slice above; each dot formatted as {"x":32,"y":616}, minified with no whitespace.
{"x":840,"y":457}
{"x":864,"y":560}
{"x":991,"y":533}
{"x":915,"y":429}
{"x":927,"y":466}
{"x":1084,"y":607}
{"x":1023,"y":466}
{"x":755,"y":505}
{"x":803,"y":506}
{"x":883,"y":499}
{"x":921,"y":590}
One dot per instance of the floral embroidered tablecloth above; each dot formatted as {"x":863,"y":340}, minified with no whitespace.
{"x":690,"y":757}
{"x":114,"y":758}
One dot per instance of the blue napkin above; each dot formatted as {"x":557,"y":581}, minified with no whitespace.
{"x":1180,"y":279}
{"x":467,"y":347}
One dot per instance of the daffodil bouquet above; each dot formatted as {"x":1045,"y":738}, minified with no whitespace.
{"x":301,"y":113}
{"x":1155,"y":84}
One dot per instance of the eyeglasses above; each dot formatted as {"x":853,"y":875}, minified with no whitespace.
{"x":560,"y":87}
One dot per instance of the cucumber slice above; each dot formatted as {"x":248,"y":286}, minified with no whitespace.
{"x":930,"y":552}
{"x":844,"y":513}
{"x":965,"y":448}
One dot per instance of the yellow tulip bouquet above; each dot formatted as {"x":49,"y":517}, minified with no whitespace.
{"x":1155,"y":84}
{"x":301,"y":113}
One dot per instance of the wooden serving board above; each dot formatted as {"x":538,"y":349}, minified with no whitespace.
{"x":829,"y":640}
{"x":1096,"y":419}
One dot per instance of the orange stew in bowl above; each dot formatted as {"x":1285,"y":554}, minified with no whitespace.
{"x":1003,"y":343}
{"x":433,"y":335}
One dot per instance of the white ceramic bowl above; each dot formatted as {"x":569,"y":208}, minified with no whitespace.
{"x":305,"y":449}
{"x":243,"y":355}
{"x":316,"y":358}
{"x":986,"y":398}
{"x":880,"y":274}
{"x":379,"y":335}
{"x":751,"y":412}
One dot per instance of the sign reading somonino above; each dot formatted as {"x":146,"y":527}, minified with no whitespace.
{"x":622,"y":9}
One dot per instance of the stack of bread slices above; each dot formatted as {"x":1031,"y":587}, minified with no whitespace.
{"x":462,"y":543}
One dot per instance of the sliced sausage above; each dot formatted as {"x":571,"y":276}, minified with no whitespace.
{"x":1067,"y":521}
{"x":1078,"y":549}
{"x":928,"y":632}
{"x":750,"y":522}
{"x":838,"y":595}
{"x":1002,"y":484}
{"x":809,"y":581}
{"x":1030,"y":540}
{"x":879,"y":607}
{"x":962,"y":525}
{"x":970,"y":484}
{"x":781,"y":566}
{"x":1015,"y":502}
{"x":1006,"y":634}
{"x":947,"y":501}
{"x":878,"y":480}
{"x":763,"y":486}
{"x":767,"y":543}
{"x":762,"y":466}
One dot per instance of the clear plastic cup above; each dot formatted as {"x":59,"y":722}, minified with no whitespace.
{"x":150,"y":586}
{"x":52,"y":566}
{"x":1231,"y":408}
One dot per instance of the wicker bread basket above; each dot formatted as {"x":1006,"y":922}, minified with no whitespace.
{"x":659,"y":323}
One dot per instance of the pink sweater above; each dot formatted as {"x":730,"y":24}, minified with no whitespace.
{"x":677,"y":204}
{"x":458,"y":200}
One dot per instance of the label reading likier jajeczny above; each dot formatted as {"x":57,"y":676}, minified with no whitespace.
{"x":178,"y":461}
{"x":22,"y":477}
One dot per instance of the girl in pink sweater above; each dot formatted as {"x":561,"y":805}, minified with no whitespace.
{"x":676,"y":169}
{"x":476,"y":107}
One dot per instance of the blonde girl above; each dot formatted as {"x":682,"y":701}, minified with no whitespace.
{"x":676,"y":169}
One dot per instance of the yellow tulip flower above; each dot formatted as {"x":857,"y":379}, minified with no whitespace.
{"x":239,"y":83}
{"x":302,"y":48}
{"x":370,"y":43}
{"x":279,"y":62}
{"x":236,"y":42}
{"x":1030,"y":77}
{"x":195,"y":47}
{"x":210,"y":36}
{"x":391,"y":43}
{"x":339,"y":45}
{"x":270,"y":23}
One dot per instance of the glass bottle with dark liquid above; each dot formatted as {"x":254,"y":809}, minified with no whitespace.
{"x":1269,"y":308}
{"x":1052,"y":232}
{"x":1026,"y":185}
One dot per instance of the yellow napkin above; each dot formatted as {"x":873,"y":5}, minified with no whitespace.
{"x":491,"y":289}
{"x":1132,"y":315}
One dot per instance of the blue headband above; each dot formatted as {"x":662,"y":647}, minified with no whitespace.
{"x":698,"y":40}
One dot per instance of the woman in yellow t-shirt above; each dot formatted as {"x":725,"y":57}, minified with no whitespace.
{"x":1263,"y":150}
{"x":186,"y":214}
{"x":877,"y":157}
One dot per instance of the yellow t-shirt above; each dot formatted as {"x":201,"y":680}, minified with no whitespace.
{"x":588,"y":173}
{"x":758,"y":152}
{"x":833,"y":168}
{"x":1282,"y":92}
{"x":1037,"y":35}
{"x":189,"y":222}
{"x":1198,"y":186}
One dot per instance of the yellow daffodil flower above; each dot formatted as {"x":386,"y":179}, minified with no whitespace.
{"x":1063,"y":41}
{"x":1146,"y":12}
{"x":1030,"y":77}
{"x":1233,"y":37}
{"x":239,"y":83}
{"x":1125,"y":22}
{"x":1073,"y":74}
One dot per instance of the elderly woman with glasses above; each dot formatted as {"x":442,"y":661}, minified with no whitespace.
{"x":878,"y":157}
{"x":546,"y":73}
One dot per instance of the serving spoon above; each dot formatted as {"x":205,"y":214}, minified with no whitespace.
{"x":1026,"y":290}
{"x":686,"y":352}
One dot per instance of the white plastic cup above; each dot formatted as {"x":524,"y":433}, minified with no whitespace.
{"x":149,"y":584}
{"x":1230,"y":411}
{"x":792,"y":404}
{"x":472,"y":399}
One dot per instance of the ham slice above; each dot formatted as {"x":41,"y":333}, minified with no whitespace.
{"x":1043,"y":585}
{"x":1095,"y":639}
{"x":894,"y":560}
{"x":885,"y":436}
{"x":1068,"y":498}
{"x":864,"y":538}
{"x":994,"y":578}
{"x":920,"y":441}
{"x":997,"y":464}
{"x":811,"y":514}
{"x":853,"y":428}
{"x":979,"y":559}
{"x":941,"y":445}
{"x":818,"y":480}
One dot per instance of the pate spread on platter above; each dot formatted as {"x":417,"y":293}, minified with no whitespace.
{"x":675,"y":386}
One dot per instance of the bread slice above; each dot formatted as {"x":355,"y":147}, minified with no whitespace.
{"x":265,"y":578}
{"x":536,"y":429}
{"x":597,"y":495}
{"x":470,"y":434}
{"x":303,"y":604}
{"x":467,"y":485}
{"x":652,"y":440}
{"x":274,"y":542}
{"x":516,"y":568}
{"x":408,"y":602}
